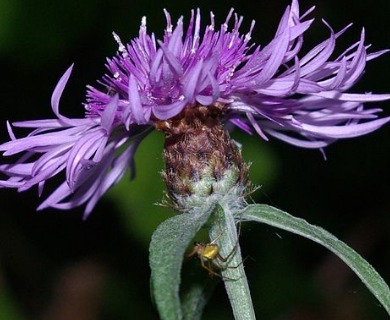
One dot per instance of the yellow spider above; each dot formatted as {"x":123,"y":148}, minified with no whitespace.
{"x":208,"y":254}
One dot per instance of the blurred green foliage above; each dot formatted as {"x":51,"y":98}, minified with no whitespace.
{"x":137,"y":200}
{"x":8,"y":308}
{"x":42,"y":256}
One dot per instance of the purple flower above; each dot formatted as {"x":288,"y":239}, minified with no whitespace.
{"x":272,"y":90}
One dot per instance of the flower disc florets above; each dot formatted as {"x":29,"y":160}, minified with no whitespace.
{"x":272,"y":90}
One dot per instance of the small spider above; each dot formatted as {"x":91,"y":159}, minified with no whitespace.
{"x":209,"y":256}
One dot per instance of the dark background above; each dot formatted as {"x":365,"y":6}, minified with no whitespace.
{"x":54,"y":265}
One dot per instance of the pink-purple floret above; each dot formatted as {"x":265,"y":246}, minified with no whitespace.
{"x":270,"y":90}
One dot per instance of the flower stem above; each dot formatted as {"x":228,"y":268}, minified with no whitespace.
{"x":223,"y":232}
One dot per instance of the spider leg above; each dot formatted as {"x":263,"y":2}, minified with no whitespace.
{"x":208,"y":265}
{"x":223,"y":267}
{"x":209,"y":268}
{"x":227,"y":258}
{"x":191,"y":254}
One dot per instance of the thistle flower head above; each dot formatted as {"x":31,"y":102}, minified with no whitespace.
{"x":272,"y":90}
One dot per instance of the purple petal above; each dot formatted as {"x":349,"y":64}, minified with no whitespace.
{"x":55,"y":98}
{"x":109,"y":113}
{"x":168,"y":111}
{"x":347,"y":131}
{"x":360,"y":97}
{"x":135,"y":102}
{"x":191,"y":83}
{"x":279,"y":46}
{"x":316,"y":144}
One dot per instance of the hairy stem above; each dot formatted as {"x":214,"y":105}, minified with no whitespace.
{"x":223,"y":232}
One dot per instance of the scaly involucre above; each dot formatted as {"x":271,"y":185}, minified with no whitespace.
{"x":271,"y":90}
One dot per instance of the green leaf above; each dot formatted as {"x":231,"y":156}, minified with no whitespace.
{"x":8,"y":306}
{"x":280,"y":219}
{"x":167,"y":248}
